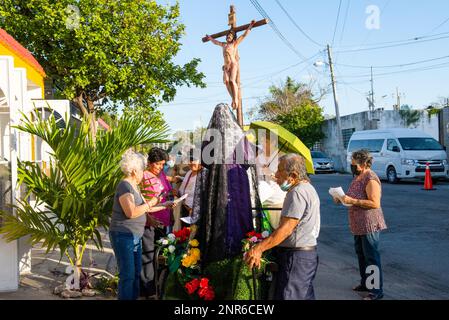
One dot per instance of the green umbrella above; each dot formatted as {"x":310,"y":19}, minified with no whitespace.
{"x":288,"y":142}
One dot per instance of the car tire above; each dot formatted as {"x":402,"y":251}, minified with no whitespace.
{"x":392,"y":176}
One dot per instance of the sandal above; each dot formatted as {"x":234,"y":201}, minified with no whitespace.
{"x":374,"y":296}
{"x":360,"y":288}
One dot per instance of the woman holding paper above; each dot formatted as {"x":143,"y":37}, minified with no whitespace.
{"x":155,"y":184}
{"x":188,"y":185}
{"x":366,"y":221}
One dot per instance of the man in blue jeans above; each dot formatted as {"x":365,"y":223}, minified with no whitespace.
{"x":296,"y":238}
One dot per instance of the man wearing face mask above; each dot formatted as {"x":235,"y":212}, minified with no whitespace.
{"x":366,"y":221}
{"x":296,"y":238}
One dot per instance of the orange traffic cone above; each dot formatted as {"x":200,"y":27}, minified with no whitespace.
{"x":428,"y":184}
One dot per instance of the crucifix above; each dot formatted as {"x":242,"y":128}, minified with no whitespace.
{"x":231,"y":67}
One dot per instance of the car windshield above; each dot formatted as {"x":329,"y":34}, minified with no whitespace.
{"x":417,"y":144}
{"x":318,"y":154}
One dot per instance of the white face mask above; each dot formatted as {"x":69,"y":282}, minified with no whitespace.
{"x":170,"y":163}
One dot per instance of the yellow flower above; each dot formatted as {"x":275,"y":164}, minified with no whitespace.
{"x":194,"y":243}
{"x":195,"y":252}
{"x":187,"y":261}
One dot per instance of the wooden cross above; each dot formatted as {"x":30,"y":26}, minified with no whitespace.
{"x":232,"y":21}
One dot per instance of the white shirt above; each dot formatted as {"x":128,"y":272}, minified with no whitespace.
{"x":188,"y":187}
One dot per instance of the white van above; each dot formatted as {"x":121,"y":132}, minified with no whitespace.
{"x":401,"y":153}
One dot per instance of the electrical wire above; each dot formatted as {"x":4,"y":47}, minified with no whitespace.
{"x":336,"y":22}
{"x":273,"y":26}
{"x":392,"y":66}
{"x":391,"y":46}
{"x":344,"y":23}
{"x":297,"y":26}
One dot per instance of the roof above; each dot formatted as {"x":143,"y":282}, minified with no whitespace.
{"x":398,"y":132}
{"x":12,"y":44}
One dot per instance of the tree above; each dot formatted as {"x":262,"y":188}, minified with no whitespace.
{"x":104,"y":51}
{"x":292,"y":105}
{"x":410,"y":116}
{"x":74,"y":199}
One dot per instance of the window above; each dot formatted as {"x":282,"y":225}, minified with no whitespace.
{"x":318,"y":155}
{"x":374,"y":146}
{"x":418,"y":144}
{"x":391,"y":143}
{"x":346,"y":135}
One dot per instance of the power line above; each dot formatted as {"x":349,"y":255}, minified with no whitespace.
{"x":346,"y":19}
{"x":431,"y":67}
{"x":297,"y":26}
{"x":336,"y":22}
{"x":392,"y":66}
{"x":394,"y":42}
{"x":440,"y":25}
{"x":392,"y":46}
{"x":273,"y":26}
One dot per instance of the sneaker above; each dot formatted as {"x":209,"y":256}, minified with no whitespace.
{"x":360,"y":288}
{"x":374,"y":296}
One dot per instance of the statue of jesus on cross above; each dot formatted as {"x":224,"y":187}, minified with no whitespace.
{"x":231,"y":67}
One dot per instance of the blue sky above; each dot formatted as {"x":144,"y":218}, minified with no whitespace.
{"x":263,"y":55}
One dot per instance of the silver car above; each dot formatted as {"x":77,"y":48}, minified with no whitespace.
{"x":322,"y":163}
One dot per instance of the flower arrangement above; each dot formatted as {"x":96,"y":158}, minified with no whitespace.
{"x":183,"y":256}
{"x":252,"y":238}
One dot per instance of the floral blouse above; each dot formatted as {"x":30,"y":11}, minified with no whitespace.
{"x":364,"y":221}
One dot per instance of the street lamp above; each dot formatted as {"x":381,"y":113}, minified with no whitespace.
{"x":340,"y":147}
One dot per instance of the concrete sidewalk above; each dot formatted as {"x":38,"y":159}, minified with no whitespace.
{"x":48,"y":272}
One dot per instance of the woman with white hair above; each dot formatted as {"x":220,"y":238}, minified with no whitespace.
{"x":129,"y":215}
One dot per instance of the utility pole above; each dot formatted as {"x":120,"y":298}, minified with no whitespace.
{"x":340,"y":147}
{"x":398,"y":99}
{"x":372,"y":91}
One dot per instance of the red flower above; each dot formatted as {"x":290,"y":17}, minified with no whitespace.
{"x":192,"y":286}
{"x":183,"y":234}
{"x":254,"y":234}
{"x":251,"y":234}
{"x":207,"y":293}
{"x":204,"y":283}
{"x":210,"y":295}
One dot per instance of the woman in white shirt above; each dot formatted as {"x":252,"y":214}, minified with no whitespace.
{"x":188,"y":186}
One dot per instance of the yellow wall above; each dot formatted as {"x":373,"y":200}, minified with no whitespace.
{"x":32,"y":74}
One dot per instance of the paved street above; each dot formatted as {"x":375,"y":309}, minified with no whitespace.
{"x":415,"y":248}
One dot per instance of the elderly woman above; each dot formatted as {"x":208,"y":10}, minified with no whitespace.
{"x":127,"y":224}
{"x":366,"y":221}
{"x":296,"y":238}
{"x":188,"y":185}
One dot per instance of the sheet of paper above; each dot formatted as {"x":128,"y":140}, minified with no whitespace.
{"x":190,"y":220}
{"x":182,"y":198}
{"x":338,"y":193}
{"x":167,"y":203}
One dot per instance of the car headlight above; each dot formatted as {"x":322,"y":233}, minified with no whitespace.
{"x":409,"y":162}
{"x":444,"y":162}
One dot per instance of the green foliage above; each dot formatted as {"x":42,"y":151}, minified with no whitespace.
{"x":305,"y":122}
{"x":409,"y":115}
{"x":107,"y":285}
{"x":292,"y":106}
{"x":75,"y":196}
{"x":122,"y":50}
{"x":232,"y":280}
